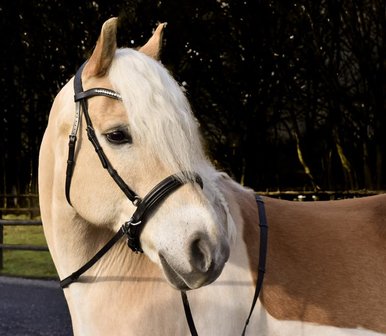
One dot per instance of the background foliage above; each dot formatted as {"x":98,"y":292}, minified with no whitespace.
{"x":288,"y":94}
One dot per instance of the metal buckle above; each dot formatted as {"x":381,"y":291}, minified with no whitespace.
{"x":131,"y":230}
{"x":126,"y":226}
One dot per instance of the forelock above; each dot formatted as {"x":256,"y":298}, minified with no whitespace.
{"x":159,"y":113}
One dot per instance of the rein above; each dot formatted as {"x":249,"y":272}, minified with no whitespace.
{"x":263,"y":224}
{"x":144,"y":206}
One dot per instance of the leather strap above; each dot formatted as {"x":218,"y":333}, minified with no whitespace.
{"x":130,"y":194}
{"x":188,"y":314}
{"x":97,"y":92}
{"x":75,"y":276}
{"x":80,"y":98}
{"x":71,"y":151}
{"x":73,"y":138}
{"x":263,"y":224}
{"x":134,"y":225}
{"x":150,"y":201}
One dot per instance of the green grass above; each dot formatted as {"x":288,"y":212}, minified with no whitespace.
{"x":30,"y":264}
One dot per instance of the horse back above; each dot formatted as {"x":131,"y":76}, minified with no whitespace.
{"x":326,"y":262}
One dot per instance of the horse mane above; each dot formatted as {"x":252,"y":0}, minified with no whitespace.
{"x":159,"y":114}
{"x":160,"y":118}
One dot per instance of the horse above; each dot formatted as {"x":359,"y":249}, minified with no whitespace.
{"x":198,"y":232}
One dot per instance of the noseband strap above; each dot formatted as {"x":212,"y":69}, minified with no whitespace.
{"x":145,"y":207}
{"x":133,"y":227}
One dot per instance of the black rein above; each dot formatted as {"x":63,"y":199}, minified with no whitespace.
{"x":263,"y":224}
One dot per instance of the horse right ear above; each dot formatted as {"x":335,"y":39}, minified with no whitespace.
{"x":152,"y":47}
{"x":103,"y":54}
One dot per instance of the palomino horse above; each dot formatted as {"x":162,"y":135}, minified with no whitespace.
{"x":326,"y":261}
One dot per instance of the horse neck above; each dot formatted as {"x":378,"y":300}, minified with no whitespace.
{"x":74,"y":241}
{"x":137,"y":289}
{"x":111,"y":279}
{"x":125,"y":287}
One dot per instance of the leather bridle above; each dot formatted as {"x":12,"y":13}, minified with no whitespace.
{"x":144,"y":206}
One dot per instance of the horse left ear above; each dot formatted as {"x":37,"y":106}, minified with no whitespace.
{"x":103,"y":54}
{"x":152,"y":47}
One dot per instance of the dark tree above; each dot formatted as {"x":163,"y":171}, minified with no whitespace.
{"x":288,"y":95}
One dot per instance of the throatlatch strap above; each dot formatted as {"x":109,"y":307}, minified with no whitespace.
{"x":263,"y":224}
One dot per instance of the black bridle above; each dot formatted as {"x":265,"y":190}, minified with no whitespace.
{"x":144,"y":206}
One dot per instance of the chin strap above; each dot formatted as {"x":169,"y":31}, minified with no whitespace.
{"x":263,"y":224}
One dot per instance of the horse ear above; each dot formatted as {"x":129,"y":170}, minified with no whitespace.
{"x":152,"y":47}
{"x":103,"y":54}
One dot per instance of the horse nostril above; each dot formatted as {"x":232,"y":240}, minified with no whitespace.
{"x":200,"y":255}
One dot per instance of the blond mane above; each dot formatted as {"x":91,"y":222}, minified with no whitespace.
{"x":159,"y":114}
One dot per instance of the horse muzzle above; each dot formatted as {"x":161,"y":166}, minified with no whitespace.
{"x":202,"y":264}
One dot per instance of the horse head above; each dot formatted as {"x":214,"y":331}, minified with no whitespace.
{"x":148,"y":134}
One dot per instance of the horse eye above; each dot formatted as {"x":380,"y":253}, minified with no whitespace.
{"x":118,"y":137}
